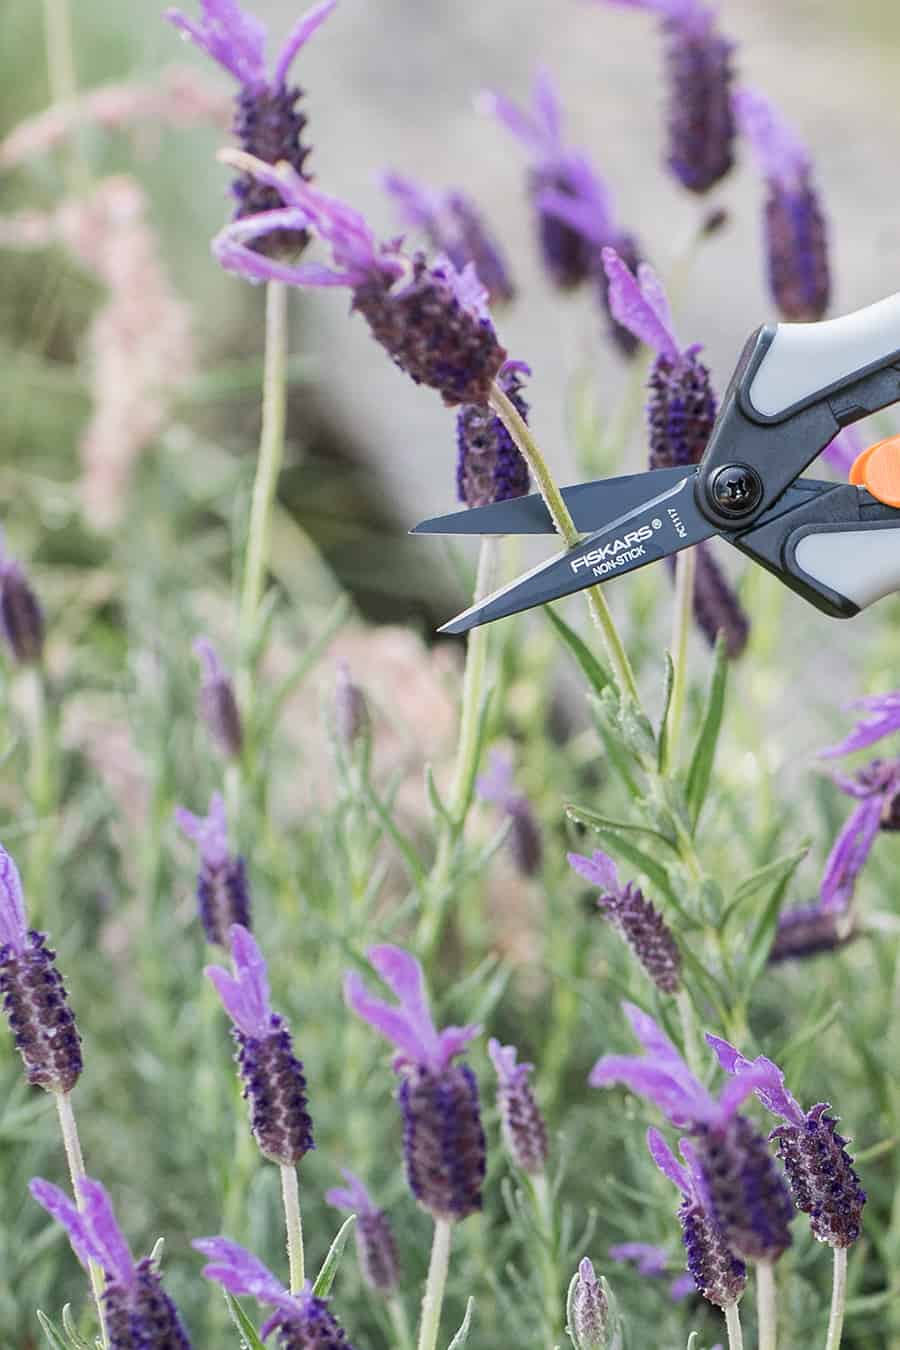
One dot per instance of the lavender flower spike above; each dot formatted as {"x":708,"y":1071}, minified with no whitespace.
{"x":33,"y":995}
{"x":591,"y":1321}
{"x":137,"y":1310}
{"x":223,"y":895}
{"x":272,"y":1076}
{"x":443,"y":1141}
{"x":818,"y":1166}
{"x":432,"y":321}
{"x":21,"y":618}
{"x":524,"y":1128}
{"x":698,"y":77}
{"x":742,"y":1190}
{"x":267,"y":122}
{"x":795,"y":229}
{"x":454,"y":228}
{"x":376,"y":1249}
{"x":489,"y":467}
{"x":525,"y":834}
{"x":715,"y":1271}
{"x":303,"y":1321}
{"x":637,"y":919}
{"x":218,"y":704}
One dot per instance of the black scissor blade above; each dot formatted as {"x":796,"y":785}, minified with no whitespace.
{"x":591,"y":505}
{"x":661,"y":526}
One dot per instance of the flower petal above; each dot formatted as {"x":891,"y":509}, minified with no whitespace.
{"x":115,"y":1255}
{"x":599,"y":869}
{"x":300,"y":34}
{"x":781,"y":154}
{"x":234,"y":39}
{"x":666,"y":1161}
{"x":392,"y":1022}
{"x":353,"y":1197}
{"x":883,"y":719}
{"x":60,"y":1207}
{"x":13,"y":922}
{"x":849,"y":853}
{"x":631,"y":307}
{"x":240,"y":1272}
{"x":683,"y":1102}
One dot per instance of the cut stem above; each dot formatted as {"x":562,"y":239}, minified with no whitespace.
{"x":72,"y":1145}
{"x":559,"y":513}
{"x":290,"y":1194}
{"x":685,"y":573}
{"x":733,"y":1327}
{"x":765,"y":1305}
{"x":838,"y":1300}
{"x":436,"y":1283}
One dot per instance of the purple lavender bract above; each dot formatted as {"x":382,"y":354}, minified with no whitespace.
{"x":218,"y":704}
{"x":274,"y":1084}
{"x":376,"y":1249}
{"x":21,"y":618}
{"x":637,"y":919}
{"x":223,"y":895}
{"x":443,"y":1140}
{"x":139,"y":1313}
{"x":34,"y":997}
{"x":589,"y":1320}
{"x":489,"y":467}
{"x":523,"y":1125}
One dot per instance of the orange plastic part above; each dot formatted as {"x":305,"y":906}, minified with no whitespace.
{"x":878,"y":470}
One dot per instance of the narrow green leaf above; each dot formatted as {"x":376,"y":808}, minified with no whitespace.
{"x":314,"y":650}
{"x":596,"y":674}
{"x":459,"y":1340}
{"x":434,"y":796}
{"x":700,"y":770}
{"x":773,"y":874}
{"x":325,"y":1278}
{"x":761,"y":939}
{"x":50,"y":1331}
{"x":76,"y":1340}
{"x":594,"y":821}
{"x":662,"y":753}
{"x":405,"y":847}
{"x":468,"y":787}
{"x":250,"y":1338}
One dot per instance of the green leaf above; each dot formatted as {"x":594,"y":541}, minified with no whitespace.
{"x":468,"y":787}
{"x":404,"y":845}
{"x":662,"y":753}
{"x":325,"y":1277}
{"x":700,"y":770}
{"x":596,"y":674}
{"x":76,"y":1340}
{"x":459,"y":1340}
{"x":434,"y":796}
{"x":250,"y":1338}
{"x":763,"y":934}
{"x":775,"y":874}
{"x":50,"y":1331}
{"x":594,"y":821}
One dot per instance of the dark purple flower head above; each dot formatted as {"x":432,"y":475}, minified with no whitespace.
{"x":351,"y":713}
{"x":637,"y":919}
{"x":432,"y":321}
{"x":268,"y":123}
{"x":217,"y":704}
{"x":808,"y":930}
{"x":742,"y":1190}
{"x":21,"y":618}
{"x":525,"y":839}
{"x":303,"y":1321}
{"x":489,"y":467}
{"x":138,"y":1312}
{"x":274,"y":1083}
{"x":33,"y":994}
{"x":818,"y":1166}
{"x":454,"y":228}
{"x":795,"y":230}
{"x":443,"y":1141}
{"x":591,"y":1321}
{"x":223,"y":895}
{"x":523,"y":1125}
{"x":715,"y":1271}
{"x":375,"y":1246}
{"x":698,"y":78}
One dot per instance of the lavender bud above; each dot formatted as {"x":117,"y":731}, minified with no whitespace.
{"x":275,"y":1087}
{"x":223,"y":894}
{"x":21,"y":618}
{"x":569,"y":256}
{"x":36,"y":1007}
{"x":143,"y":1315}
{"x":716,"y":607}
{"x":718,"y":1274}
{"x":647,"y":934}
{"x":489,"y":468}
{"x":351,"y":714}
{"x":525,"y":842}
{"x":430,"y":334}
{"x":821,"y":1176}
{"x":681,"y":410}
{"x":523,"y":1126}
{"x":797,"y":251}
{"x":314,"y":1327}
{"x":443,"y":1140}
{"x":807,"y":930}
{"x":701,"y":120}
{"x":217,"y":703}
{"x":588,"y":1314}
{"x":746,"y":1194}
{"x":376,"y":1251}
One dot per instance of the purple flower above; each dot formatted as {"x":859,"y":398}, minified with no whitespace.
{"x":223,"y":895}
{"x":443,"y":1141}
{"x":808,"y":930}
{"x":21,"y":619}
{"x":351,"y":713}
{"x":217,"y":704}
{"x":376,"y":1249}
{"x":714,"y":1270}
{"x":454,"y":228}
{"x":742,"y":1190}
{"x":795,"y":231}
{"x":818,"y":1166}
{"x":651,"y":1261}
{"x":267,"y":123}
{"x":882,"y":719}
{"x":638,"y":920}
{"x":137,"y":1310}
{"x":432,"y":321}
{"x":34,"y":997}
{"x":303,"y":1321}
{"x":489,"y":467}
{"x":525,"y":834}
{"x":591,"y":1324}
{"x":274,"y":1084}
{"x":524,"y":1128}
{"x":698,"y":77}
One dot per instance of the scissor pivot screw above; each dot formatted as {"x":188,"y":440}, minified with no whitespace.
{"x":736,"y":490}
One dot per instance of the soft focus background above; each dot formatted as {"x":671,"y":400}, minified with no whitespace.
{"x":130,"y":576}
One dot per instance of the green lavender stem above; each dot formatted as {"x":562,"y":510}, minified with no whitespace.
{"x":559,"y":513}
{"x":689,"y":1033}
{"x":72,"y":1145}
{"x":42,"y":786}
{"x":400,"y":1322}
{"x":838,"y":1300}
{"x":436,"y":1283}
{"x":765,"y":1305}
{"x":290,"y":1194}
{"x":685,"y":572}
{"x":63,"y":83}
{"x":733,"y":1327}
{"x":543,"y":1203}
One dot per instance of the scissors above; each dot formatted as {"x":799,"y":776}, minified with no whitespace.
{"x":794,"y":387}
